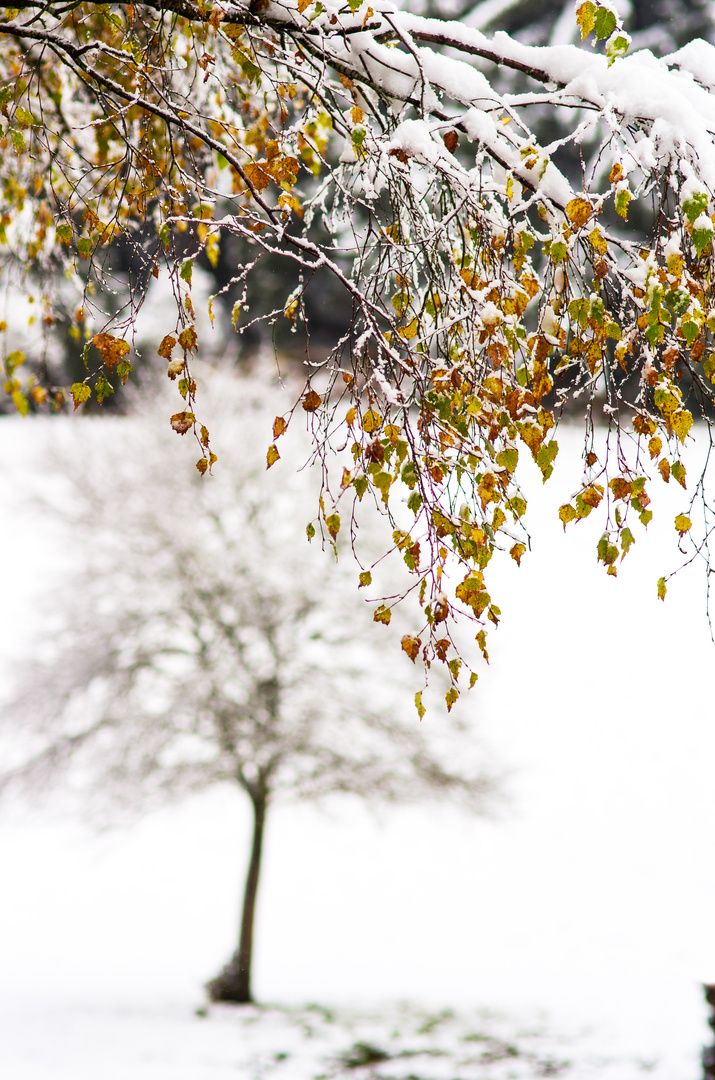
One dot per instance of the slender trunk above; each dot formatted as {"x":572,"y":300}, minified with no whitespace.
{"x":234,"y":982}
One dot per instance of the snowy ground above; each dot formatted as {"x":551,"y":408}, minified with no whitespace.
{"x":399,"y":1043}
{"x":587,"y":907}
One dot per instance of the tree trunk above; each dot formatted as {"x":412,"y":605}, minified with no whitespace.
{"x":233,"y":984}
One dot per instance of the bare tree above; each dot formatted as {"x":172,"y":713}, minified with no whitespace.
{"x":194,"y":643}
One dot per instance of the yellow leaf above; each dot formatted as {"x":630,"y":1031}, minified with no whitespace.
{"x":371,"y":421}
{"x":365,"y":579}
{"x":80,"y":393}
{"x":598,"y":241}
{"x":579,"y":211}
{"x":661,"y":588}
{"x":681,"y":421}
{"x":655,"y":446}
{"x":664,"y":469}
{"x":410,"y":331}
{"x":566,"y":514}
{"x":272,"y":456}
{"x":279,"y":426}
{"x":683,"y":524}
{"x":418,"y":704}
{"x":586,"y":18}
{"x":382,"y":614}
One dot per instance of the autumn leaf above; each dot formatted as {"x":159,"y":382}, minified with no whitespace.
{"x":312,"y":401}
{"x":682,"y":524}
{"x":516,"y":552}
{"x":80,"y":393}
{"x":622,"y":489}
{"x":371,"y":421}
{"x":566,"y":514}
{"x":188,"y":338}
{"x":272,"y":456}
{"x":382,"y":614}
{"x":110,"y":348}
{"x":681,"y":422}
{"x":182,"y":422}
{"x":365,"y":579}
{"x":167,"y":344}
{"x":578,"y":211}
{"x":411,"y":645}
{"x":451,"y":140}
{"x":592,"y":495}
{"x":679,"y":473}
{"x":333,"y":524}
{"x":661,"y":588}
{"x":279,"y":426}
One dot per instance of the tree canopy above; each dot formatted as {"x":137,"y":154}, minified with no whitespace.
{"x":520,"y":230}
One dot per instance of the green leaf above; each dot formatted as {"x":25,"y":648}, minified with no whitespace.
{"x":678,"y":471}
{"x":678,"y":300}
{"x":365,"y":579}
{"x":545,"y":458}
{"x":605,"y":23}
{"x":84,"y":247}
{"x":186,"y":272}
{"x":627,"y":539}
{"x":702,"y":237}
{"x":617,"y":45}
{"x":63,"y":233}
{"x":695,"y":205}
{"x":623,"y":197}
{"x":508,"y":459}
{"x":103,"y":388}
{"x":310,"y":531}
{"x":414,"y":502}
{"x":408,"y":475}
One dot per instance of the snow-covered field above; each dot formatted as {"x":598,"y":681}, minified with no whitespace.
{"x":587,"y":908}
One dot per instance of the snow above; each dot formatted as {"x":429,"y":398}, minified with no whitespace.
{"x":589,"y":899}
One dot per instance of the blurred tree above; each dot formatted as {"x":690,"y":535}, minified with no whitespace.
{"x":195,"y":644}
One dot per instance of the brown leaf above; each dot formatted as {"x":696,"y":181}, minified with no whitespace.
{"x":312,"y":401}
{"x":110,"y":348}
{"x":183,"y":422}
{"x":279,"y":426}
{"x":451,"y":140}
{"x":167,"y":344}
